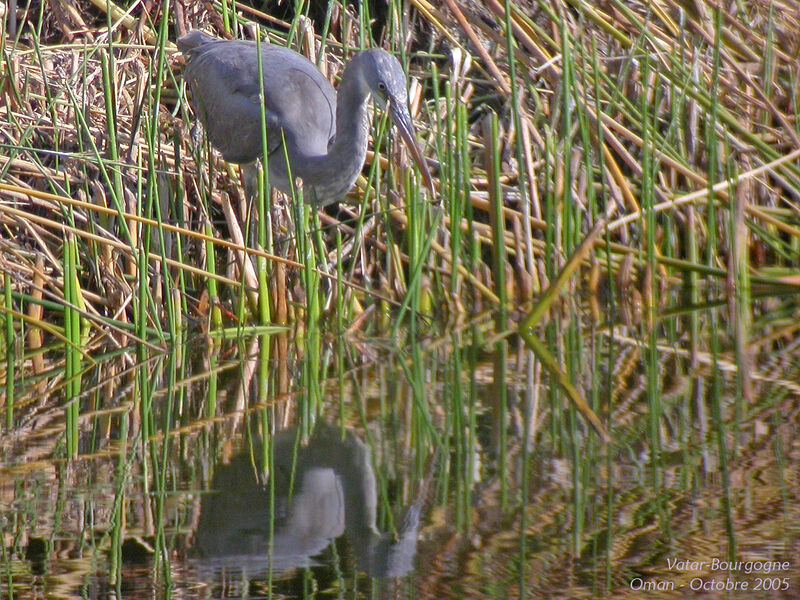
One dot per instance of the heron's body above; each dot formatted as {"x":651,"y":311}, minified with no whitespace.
{"x":300,"y":106}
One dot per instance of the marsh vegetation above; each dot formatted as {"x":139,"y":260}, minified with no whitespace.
{"x":572,"y":369}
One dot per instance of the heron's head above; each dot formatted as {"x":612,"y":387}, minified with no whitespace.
{"x":386,"y":79}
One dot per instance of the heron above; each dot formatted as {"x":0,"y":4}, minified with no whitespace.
{"x":325,"y":133}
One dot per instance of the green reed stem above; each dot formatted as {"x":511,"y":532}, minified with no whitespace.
{"x":491,"y":135}
{"x":157,"y":187}
{"x":653,"y":369}
{"x":264,"y":220}
{"x":72,"y":355}
{"x":10,"y":347}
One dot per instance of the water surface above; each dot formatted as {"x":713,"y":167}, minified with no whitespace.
{"x":442,"y":466}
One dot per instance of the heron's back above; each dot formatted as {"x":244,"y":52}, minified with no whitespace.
{"x":298,"y":100}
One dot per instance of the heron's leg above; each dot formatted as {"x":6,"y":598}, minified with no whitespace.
{"x":250,"y":177}
{"x":196,"y":134}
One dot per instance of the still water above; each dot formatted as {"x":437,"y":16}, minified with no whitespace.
{"x":445,"y":466}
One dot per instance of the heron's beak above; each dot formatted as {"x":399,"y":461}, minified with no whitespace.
{"x":402,"y":120}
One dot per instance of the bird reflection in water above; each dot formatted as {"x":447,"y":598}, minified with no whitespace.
{"x":323,"y":490}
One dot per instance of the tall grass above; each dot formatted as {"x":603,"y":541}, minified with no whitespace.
{"x":617,"y":187}
{"x":589,"y":87}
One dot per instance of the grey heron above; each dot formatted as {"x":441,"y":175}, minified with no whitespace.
{"x":325,"y":132}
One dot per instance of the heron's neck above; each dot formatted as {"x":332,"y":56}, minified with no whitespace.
{"x":339,"y":168}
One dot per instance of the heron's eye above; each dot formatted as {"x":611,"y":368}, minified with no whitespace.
{"x":381,"y":86}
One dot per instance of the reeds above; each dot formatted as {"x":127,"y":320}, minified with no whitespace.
{"x":649,"y":113}
{"x":560,"y":116}
{"x":618,"y":186}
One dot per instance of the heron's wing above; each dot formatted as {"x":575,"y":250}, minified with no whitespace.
{"x":302,"y":102}
{"x":299,"y":102}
